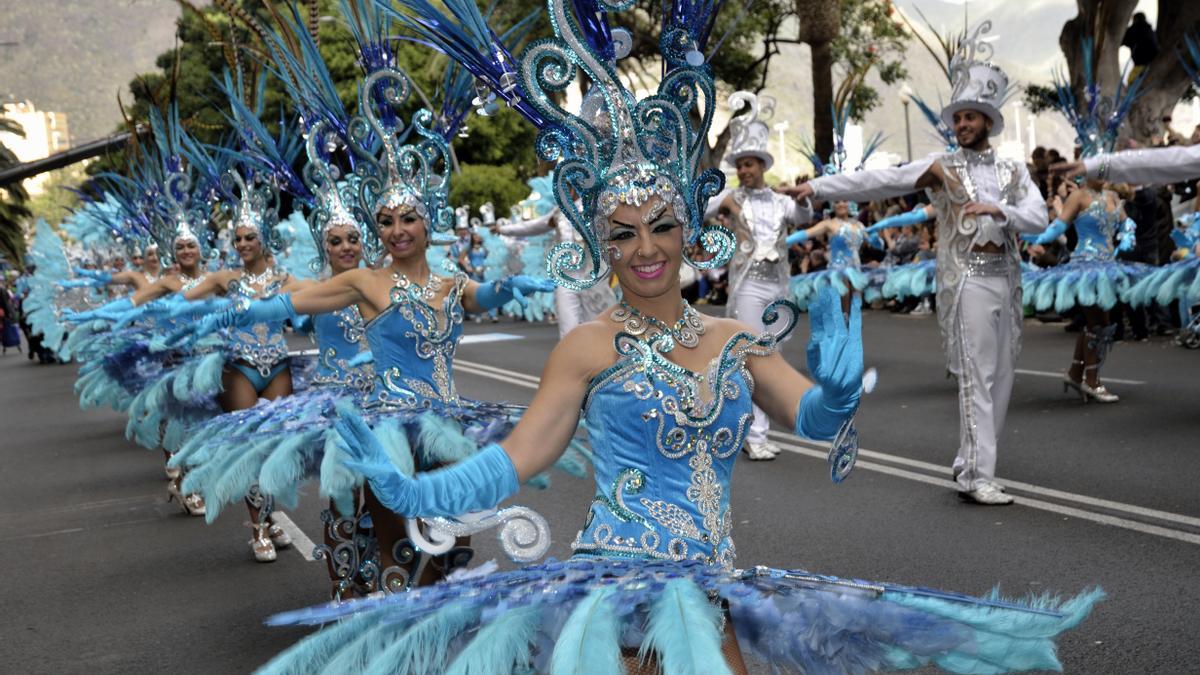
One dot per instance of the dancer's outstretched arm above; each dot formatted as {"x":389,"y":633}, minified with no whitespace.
{"x":1146,"y":166}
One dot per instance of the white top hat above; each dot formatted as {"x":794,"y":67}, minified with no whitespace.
{"x":750,"y":133}
{"x":977,"y":83}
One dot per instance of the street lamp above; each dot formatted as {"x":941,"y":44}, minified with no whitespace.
{"x":906,"y":93}
{"x":782,"y":127}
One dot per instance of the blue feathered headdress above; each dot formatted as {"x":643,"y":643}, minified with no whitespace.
{"x":1096,"y":119}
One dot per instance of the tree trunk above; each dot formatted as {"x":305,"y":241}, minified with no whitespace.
{"x":1167,"y":80}
{"x":822,"y":78}
{"x":1104,"y":21}
{"x":820,"y":25}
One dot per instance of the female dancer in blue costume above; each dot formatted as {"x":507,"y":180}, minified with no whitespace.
{"x":1093,"y":279}
{"x":666,"y":396}
{"x":258,"y":365}
{"x":844,"y":273}
{"x":1178,"y":281}
{"x":147,"y":272}
{"x":413,"y":320}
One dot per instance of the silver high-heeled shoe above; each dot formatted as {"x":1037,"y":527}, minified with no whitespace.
{"x":1098,"y":392}
{"x":261,"y":544}
{"x":279,"y":536}
{"x":192,"y":504}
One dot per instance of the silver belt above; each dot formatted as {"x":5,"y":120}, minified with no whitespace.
{"x":764,"y":270}
{"x":983,"y":264}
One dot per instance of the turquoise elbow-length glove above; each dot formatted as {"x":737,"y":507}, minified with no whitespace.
{"x":474,"y":484}
{"x":1056,"y":230}
{"x":275,"y":308}
{"x":98,"y":275}
{"x":112,"y":311}
{"x":835,"y":362}
{"x":917,"y":215}
{"x":797,"y":237}
{"x":1127,"y":237}
{"x":491,"y":295}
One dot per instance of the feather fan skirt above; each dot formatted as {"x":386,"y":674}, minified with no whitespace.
{"x":804,"y":287}
{"x":579,"y":616}
{"x":283,"y":443}
{"x":913,"y":280}
{"x":1164,"y":285}
{"x":1081,"y":283}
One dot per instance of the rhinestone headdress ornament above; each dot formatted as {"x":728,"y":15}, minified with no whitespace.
{"x":619,"y":150}
{"x":1097,"y":118}
{"x":616,"y":150}
{"x":976,"y":83}
{"x":394,"y":172}
{"x":331,"y":194}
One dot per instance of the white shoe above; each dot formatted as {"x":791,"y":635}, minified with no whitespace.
{"x":761,"y":452}
{"x":987,"y":494}
{"x":261,"y":544}
{"x":279,"y":536}
{"x":922,"y":309}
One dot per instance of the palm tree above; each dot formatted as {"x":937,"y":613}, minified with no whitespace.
{"x":13,"y":211}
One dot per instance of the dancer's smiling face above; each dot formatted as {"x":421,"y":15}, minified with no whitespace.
{"x":343,"y":248}
{"x":402,"y":230}
{"x":187,"y":252}
{"x":750,"y":172}
{"x":841,"y":209}
{"x":150,"y":259}
{"x":646,"y":248}
{"x":971,"y":129}
{"x":248,"y":244}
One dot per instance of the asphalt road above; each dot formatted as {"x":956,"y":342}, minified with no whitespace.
{"x":102,"y":575}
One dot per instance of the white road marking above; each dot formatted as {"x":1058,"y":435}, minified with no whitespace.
{"x":1016,"y":485}
{"x":300,"y":541}
{"x":792,"y":444}
{"x":1058,"y":376}
{"x":480,"y":338}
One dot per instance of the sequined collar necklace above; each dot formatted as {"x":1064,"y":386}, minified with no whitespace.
{"x":258,"y":279}
{"x":985,"y":156}
{"x":685,"y":332}
{"x":425,"y":293}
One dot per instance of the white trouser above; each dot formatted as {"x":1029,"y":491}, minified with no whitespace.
{"x":985,"y":378}
{"x":568,"y":307}
{"x":747,"y":303}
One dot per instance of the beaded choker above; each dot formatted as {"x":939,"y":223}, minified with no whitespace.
{"x":685,"y":332}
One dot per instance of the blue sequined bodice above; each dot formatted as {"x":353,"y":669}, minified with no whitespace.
{"x":664,"y":441}
{"x":844,"y":245}
{"x":413,"y":344}
{"x":1097,"y":228}
{"x":340,"y":337}
{"x":260,"y":345}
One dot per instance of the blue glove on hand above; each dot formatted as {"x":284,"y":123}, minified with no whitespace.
{"x":835,"y":361}
{"x":98,"y":275}
{"x":194,"y":308}
{"x":1127,"y":236}
{"x":875,"y":241}
{"x":113,"y":311}
{"x":917,"y":215}
{"x":78,"y":283}
{"x":474,"y":484}
{"x":797,"y":237}
{"x":498,"y":293}
{"x":1056,"y":230}
{"x":271,"y":310}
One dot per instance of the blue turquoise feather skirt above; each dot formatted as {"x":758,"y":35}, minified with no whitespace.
{"x":1164,"y":285}
{"x":1080,"y":283}
{"x":913,"y":280}
{"x":283,"y":443}
{"x":804,"y":287}
{"x":582,"y":614}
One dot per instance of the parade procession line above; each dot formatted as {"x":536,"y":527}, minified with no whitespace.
{"x":1189,"y":532}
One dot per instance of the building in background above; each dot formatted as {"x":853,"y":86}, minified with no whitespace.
{"x":46,"y":133}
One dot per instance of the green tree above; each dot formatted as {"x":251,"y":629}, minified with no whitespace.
{"x":13,"y":198}
{"x":477,"y":184}
{"x":853,"y":36}
{"x":58,"y":197}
